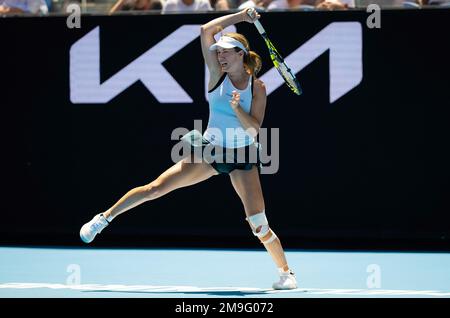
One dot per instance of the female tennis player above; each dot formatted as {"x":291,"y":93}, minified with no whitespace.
{"x":237,"y":100}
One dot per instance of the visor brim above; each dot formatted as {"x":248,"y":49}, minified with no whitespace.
{"x":221,"y":45}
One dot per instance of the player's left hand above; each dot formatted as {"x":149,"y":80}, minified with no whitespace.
{"x":234,"y":102}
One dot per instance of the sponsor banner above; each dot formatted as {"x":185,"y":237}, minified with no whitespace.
{"x":91,"y":112}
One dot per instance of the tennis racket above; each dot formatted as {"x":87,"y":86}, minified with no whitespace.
{"x":277,"y":59}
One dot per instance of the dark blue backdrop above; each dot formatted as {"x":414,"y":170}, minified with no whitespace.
{"x":369,"y":170}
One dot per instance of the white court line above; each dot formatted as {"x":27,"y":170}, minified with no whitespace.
{"x":249,"y":290}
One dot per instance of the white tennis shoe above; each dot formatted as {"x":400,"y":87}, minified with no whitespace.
{"x":287,"y":281}
{"x":92,"y":228}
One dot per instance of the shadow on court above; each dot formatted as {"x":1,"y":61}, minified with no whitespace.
{"x":216,"y":293}
{"x":205,"y":292}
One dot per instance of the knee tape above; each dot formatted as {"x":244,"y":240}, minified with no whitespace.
{"x":259,"y":220}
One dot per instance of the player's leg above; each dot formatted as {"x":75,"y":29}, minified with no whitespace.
{"x":182,"y":174}
{"x":248,"y":187}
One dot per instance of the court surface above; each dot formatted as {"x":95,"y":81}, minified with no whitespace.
{"x":197,"y":273}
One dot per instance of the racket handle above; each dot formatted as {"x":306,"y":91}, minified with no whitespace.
{"x":257,"y":24}
{"x":259,"y":27}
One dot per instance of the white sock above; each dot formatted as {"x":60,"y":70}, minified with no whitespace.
{"x":282,"y":271}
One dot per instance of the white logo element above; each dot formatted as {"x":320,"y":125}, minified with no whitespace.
{"x":374,"y":279}
{"x":85,"y":86}
{"x":75,"y":277}
{"x":344,"y":42}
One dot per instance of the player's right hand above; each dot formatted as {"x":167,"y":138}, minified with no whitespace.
{"x":250,"y":15}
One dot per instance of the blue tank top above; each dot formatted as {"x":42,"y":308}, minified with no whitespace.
{"x":224,"y":128}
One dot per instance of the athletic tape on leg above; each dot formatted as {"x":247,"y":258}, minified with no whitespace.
{"x":259,"y":220}
{"x":271,"y":239}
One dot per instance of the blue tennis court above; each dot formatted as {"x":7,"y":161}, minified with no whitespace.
{"x":198,"y":273}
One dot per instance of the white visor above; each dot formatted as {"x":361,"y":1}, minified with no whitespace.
{"x":227,"y":42}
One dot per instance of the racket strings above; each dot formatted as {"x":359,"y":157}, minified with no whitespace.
{"x":282,"y":68}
